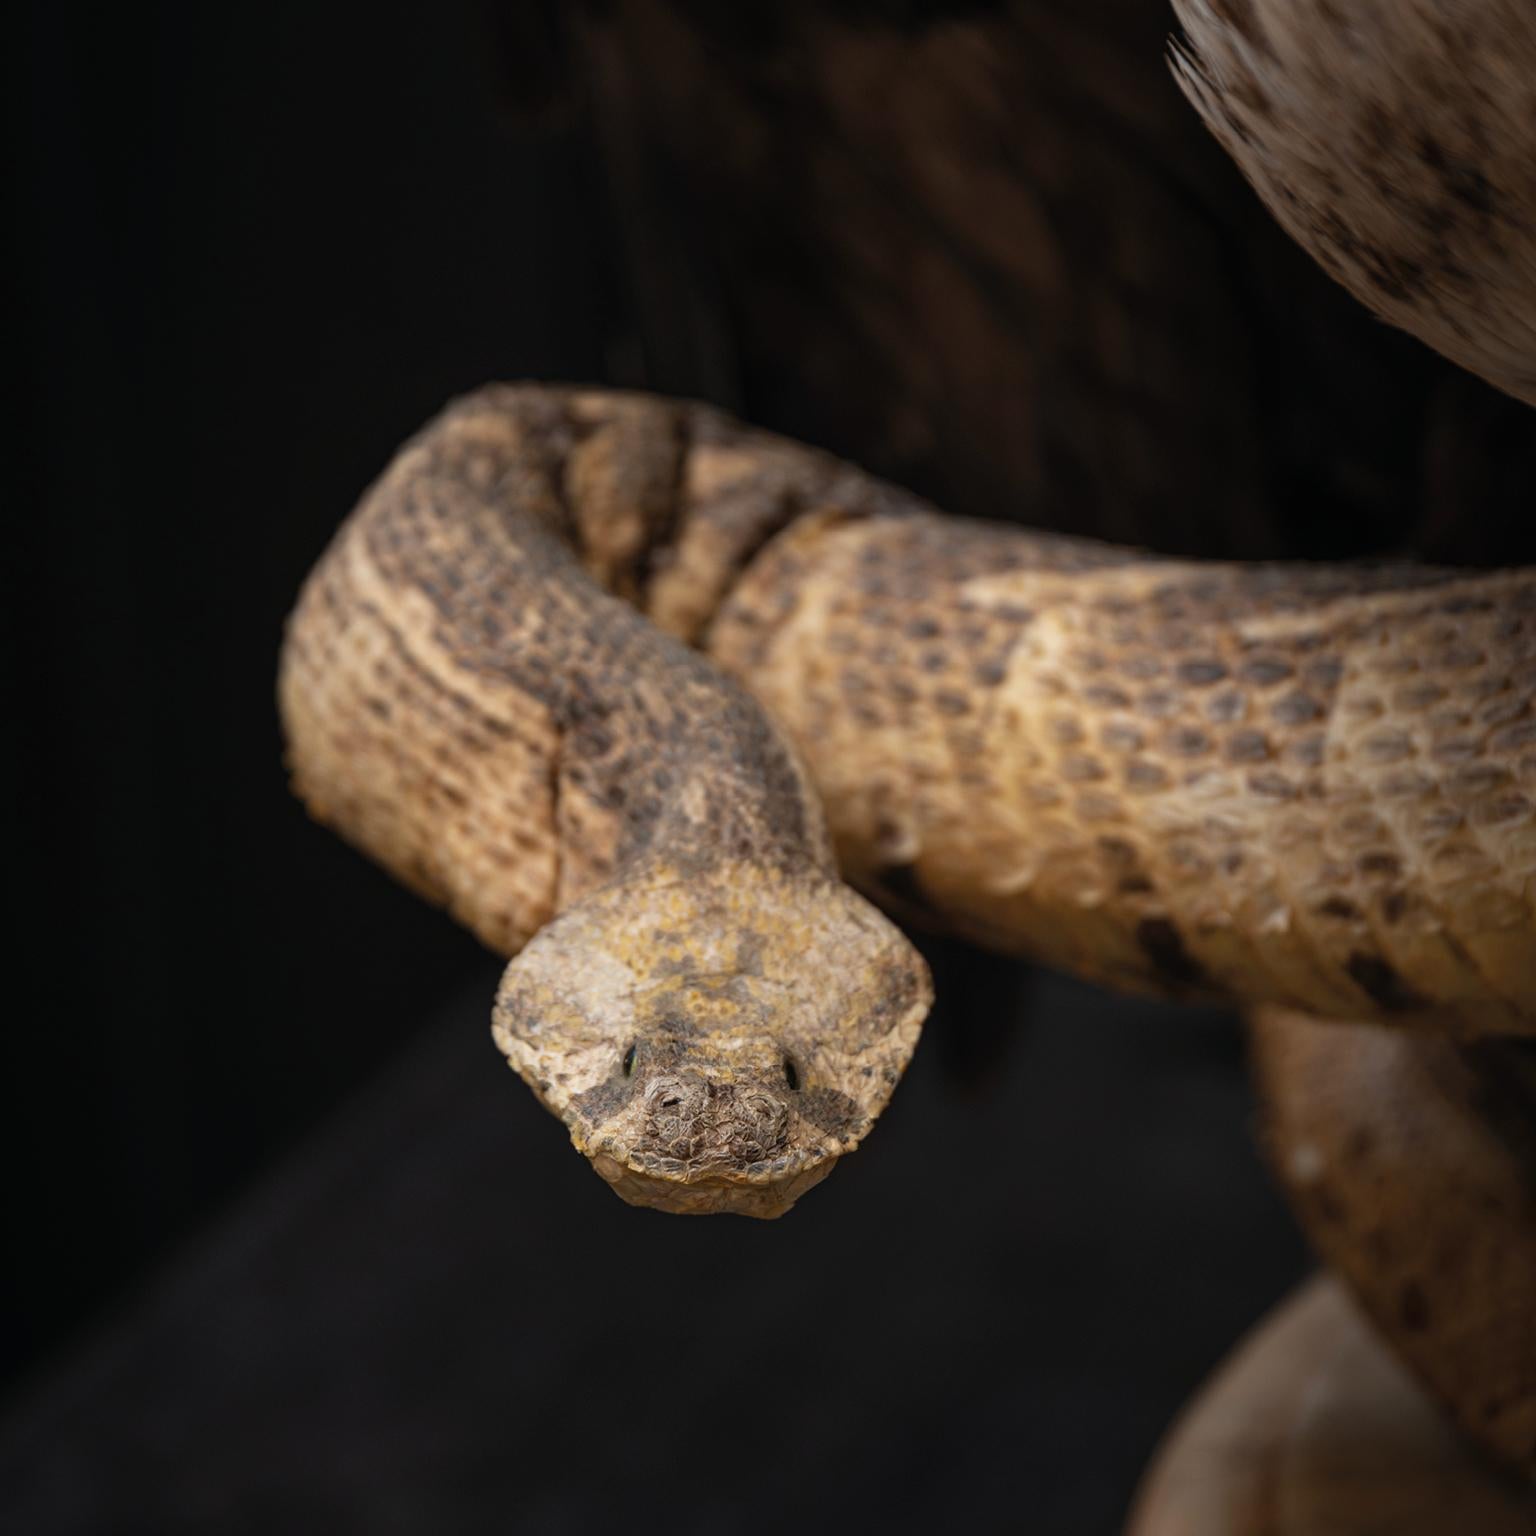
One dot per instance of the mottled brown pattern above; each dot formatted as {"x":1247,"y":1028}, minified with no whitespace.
{"x":466,"y":703}
{"x":1412,"y":1164}
{"x":1396,"y":142}
{"x":1300,"y":784}
{"x":1309,"y":785}
{"x":1395,"y":139}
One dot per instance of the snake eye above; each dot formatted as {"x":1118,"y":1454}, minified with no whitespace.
{"x":791,"y":1074}
{"x":628,"y":1064}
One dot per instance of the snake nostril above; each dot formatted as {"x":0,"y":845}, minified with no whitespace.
{"x":791,"y":1074}
{"x":674,"y":1096}
{"x":628,"y":1064}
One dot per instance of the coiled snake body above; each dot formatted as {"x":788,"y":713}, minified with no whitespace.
{"x":625,"y":685}
{"x":1301,"y":785}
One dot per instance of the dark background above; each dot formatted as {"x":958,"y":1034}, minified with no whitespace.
{"x":253,"y":247}
{"x":258,"y":246}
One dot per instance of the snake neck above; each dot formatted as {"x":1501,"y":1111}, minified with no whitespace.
{"x":473,"y":695}
{"x":494,"y":528}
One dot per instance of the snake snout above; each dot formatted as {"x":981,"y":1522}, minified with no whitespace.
{"x":703,"y":1143}
{"x":721,"y":1126}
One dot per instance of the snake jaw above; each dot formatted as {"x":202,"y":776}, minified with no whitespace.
{"x":763,"y":1198}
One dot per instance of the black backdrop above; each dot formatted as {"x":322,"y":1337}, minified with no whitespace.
{"x":254,"y":247}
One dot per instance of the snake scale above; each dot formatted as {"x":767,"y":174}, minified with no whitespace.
{"x":647,"y":698}
{"x":1303,"y":785}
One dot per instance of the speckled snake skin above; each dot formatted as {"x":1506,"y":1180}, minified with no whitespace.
{"x":1303,"y":785}
{"x":1396,"y":141}
{"x":633,"y":689}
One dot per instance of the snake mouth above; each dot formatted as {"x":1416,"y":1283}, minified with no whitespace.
{"x":765,"y":1191}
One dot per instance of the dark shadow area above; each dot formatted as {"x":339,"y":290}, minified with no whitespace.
{"x":259,"y":245}
{"x":434,"y":1318}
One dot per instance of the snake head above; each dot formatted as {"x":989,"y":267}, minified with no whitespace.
{"x":715,"y":1042}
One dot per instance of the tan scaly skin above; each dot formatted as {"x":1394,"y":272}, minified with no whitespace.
{"x":1411,"y":1162}
{"x":1304,"y":785}
{"x":1396,"y":140}
{"x":713,"y":1014}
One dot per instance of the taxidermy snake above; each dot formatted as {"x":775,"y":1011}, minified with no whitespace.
{"x":646,"y":698}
